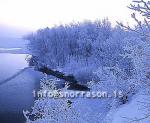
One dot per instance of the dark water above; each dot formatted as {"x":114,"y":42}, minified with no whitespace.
{"x":16,"y":94}
{"x":12,"y":117}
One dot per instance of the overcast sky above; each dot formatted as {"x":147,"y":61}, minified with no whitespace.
{"x":34,"y":14}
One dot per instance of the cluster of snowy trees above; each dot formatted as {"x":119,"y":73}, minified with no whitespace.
{"x":139,"y":52}
{"x":58,"y":45}
{"x":118,"y":56}
{"x":80,"y":48}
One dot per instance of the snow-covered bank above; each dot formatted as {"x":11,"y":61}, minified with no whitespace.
{"x":14,"y":50}
{"x":133,"y":112}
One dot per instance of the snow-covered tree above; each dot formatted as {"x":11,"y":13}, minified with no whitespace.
{"x":138,"y":48}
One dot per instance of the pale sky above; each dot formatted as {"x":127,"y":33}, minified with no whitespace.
{"x":35,"y":14}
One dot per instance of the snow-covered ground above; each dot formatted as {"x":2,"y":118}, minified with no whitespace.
{"x":135,"y":111}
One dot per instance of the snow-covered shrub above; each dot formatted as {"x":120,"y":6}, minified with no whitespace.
{"x":51,"y":110}
{"x":66,"y":110}
{"x":138,"y":42}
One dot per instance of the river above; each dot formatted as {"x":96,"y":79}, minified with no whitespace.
{"x":16,"y":93}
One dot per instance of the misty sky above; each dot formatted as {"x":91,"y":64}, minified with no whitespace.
{"x":34,"y":14}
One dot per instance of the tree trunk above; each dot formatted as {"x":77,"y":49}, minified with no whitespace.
{"x":72,"y":82}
